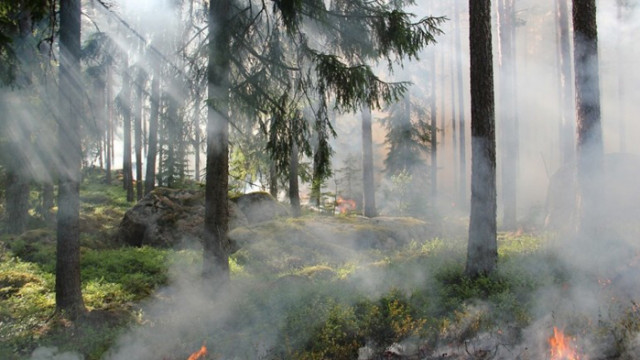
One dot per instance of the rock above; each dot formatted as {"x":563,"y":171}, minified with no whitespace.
{"x":621,"y":204}
{"x":170,"y":218}
{"x":260,"y":206}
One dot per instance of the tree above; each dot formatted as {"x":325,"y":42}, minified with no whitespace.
{"x":216,"y":218}
{"x":462,"y":128}
{"x":124,"y":102}
{"x":68,"y":286}
{"x":152,"y":150}
{"x":566,"y":82}
{"x":340,"y":70}
{"x":589,"y":150}
{"x":368,"y":184}
{"x":482,"y":250}
{"x":508,"y":112}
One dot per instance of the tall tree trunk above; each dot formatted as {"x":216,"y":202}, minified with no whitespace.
{"x":140,"y":81}
{"x":127,"y":170}
{"x":68,"y":286}
{"x":109,"y":144}
{"x":368,"y":184}
{"x":294,"y":189}
{"x":152,"y":151}
{"x":17,"y":193}
{"x":508,"y":112}
{"x":462,"y":190}
{"x":589,"y":142}
{"x":621,"y":80}
{"x":216,"y":219}
{"x":19,"y":134}
{"x":196,"y":140}
{"x":566,"y":83}
{"x":273,"y":179}
{"x":482,"y":250}
{"x":434,"y":129}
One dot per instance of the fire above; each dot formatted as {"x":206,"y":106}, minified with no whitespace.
{"x":345,"y":205}
{"x":561,"y":347}
{"x":198,"y":354}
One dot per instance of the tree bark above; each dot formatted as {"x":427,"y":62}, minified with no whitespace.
{"x":508,"y":113}
{"x":109,"y":145}
{"x":589,"y":130}
{"x":68,"y":286}
{"x":368,"y":184}
{"x":127,"y":171}
{"x":566,"y":82}
{"x":137,"y":130}
{"x":216,"y":220}
{"x":462,"y":190}
{"x":482,"y":251}
{"x":294,"y":190}
{"x":434,"y":130}
{"x":152,"y":151}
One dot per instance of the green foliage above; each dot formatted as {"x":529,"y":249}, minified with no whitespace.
{"x":138,"y":270}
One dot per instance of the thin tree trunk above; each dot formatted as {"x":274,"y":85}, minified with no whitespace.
{"x":508,"y":112}
{"x":462,"y":190}
{"x":152,"y":150}
{"x":68,"y":285}
{"x":566,"y":83}
{"x":109,"y":147}
{"x":434,"y":130}
{"x":368,"y":184}
{"x":196,"y":141}
{"x":482,"y":250}
{"x":621,"y":81}
{"x":589,"y":130}
{"x":16,"y":194}
{"x":140,"y":80}
{"x":273,"y":179}
{"x":127,"y":170}
{"x":216,"y":220}
{"x":294,"y":190}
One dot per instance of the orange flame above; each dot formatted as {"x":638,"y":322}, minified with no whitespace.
{"x":561,"y":347}
{"x":345,"y":205}
{"x":198,"y":354}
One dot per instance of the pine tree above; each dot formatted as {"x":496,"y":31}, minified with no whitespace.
{"x":482,"y":251}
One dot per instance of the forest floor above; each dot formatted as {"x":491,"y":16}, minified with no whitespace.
{"x":298,"y":297}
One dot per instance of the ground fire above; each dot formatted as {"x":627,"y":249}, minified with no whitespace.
{"x":562,"y":347}
{"x":198,"y":354}
{"x":345,"y":205}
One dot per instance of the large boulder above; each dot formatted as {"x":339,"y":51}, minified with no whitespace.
{"x":260,"y":206}
{"x":620,"y":205}
{"x":175,"y":218}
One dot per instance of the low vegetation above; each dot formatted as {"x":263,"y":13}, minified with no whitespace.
{"x":294,"y":299}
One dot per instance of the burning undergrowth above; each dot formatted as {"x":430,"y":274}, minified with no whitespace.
{"x":310,"y":298}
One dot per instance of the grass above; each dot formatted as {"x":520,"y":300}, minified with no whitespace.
{"x":303,"y":297}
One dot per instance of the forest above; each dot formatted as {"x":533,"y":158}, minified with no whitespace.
{"x":319,"y":179}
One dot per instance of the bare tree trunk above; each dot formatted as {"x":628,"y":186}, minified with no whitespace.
{"x":589,"y":143}
{"x":68,"y":286}
{"x":216,"y":220}
{"x":462,"y":190}
{"x":566,"y":83}
{"x":273,"y":179}
{"x":140,"y":81}
{"x":621,"y":80}
{"x":482,"y":250}
{"x":508,"y":112}
{"x":152,"y":151}
{"x":294,"y":190}
{"x":434,"y":129}
{"x":127,"y":171}
{"x":109,"y":145}
{"x":368,"y":184}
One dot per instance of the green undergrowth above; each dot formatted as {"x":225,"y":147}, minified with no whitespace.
{"x":324,"y":296}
